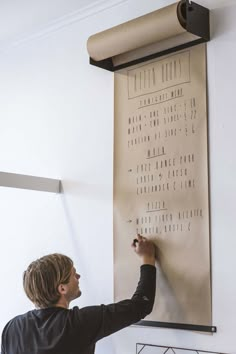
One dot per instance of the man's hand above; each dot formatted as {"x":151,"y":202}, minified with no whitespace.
{"x":145,"y":249}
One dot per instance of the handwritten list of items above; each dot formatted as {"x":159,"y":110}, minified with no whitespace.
{"x":161,"y":178}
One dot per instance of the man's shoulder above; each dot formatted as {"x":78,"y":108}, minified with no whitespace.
{"x":22,"y":316}
{"x":17,"y":319}
{"x":38,"y":315}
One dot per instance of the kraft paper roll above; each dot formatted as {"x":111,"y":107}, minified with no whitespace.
{"x":145,"y":30}
{"x":160,"y":110}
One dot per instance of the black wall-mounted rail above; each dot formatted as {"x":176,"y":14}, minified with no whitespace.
{"x":188,"y":327}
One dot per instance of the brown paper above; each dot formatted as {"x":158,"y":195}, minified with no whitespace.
{"x":161,"y":182}
{"x":145,"y":30}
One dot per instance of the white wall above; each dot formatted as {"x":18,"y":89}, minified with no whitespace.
{"x":56,"y":120}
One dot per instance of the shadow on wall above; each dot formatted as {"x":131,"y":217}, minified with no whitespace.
{"x":77,"y":202}
{"x":72,"y":233}
{"x":222,"y":21}
{"x":87,"y":191}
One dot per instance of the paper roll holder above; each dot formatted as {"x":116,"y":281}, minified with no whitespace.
{"x":196,"y":23}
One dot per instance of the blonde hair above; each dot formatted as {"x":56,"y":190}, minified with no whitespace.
{"x":43,"y":276}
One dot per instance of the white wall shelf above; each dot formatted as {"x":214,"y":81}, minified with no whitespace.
{"x":14,"y":180}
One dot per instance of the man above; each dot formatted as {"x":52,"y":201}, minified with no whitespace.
{"x":51,"y":283}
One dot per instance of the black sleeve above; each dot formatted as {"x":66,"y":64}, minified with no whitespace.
{"x":2,"y":350}
{"x":3,"y":340}
{"x":97,"y":322}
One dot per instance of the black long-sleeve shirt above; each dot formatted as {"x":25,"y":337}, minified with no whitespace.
{"x":57,"y":330}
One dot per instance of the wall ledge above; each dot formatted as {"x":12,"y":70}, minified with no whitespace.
{"x":15,"y":180}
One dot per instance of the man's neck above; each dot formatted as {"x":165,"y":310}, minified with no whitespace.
{"x":62,"y":303}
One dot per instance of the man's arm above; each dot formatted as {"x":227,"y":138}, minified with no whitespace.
{"x":146,"y":288}
{"x":101,"y":321}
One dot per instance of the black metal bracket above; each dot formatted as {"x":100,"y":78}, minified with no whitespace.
{"x":108,"y":65}
{"x":197,"y":23}
{"x":184,"y":326}
{"x":197,"y":20}
{"x":104,"y":64}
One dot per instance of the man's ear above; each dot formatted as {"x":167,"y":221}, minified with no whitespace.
{"x":62,"y":289}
